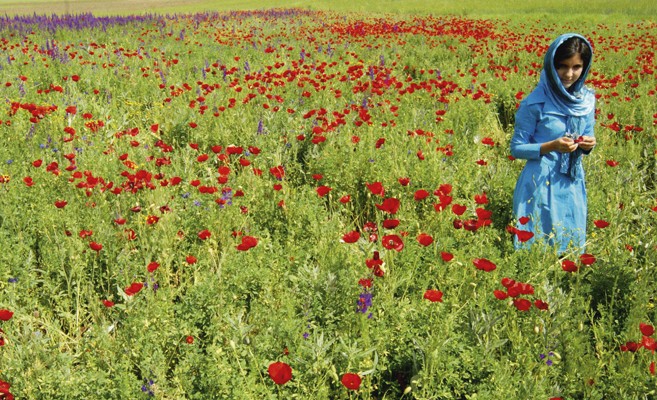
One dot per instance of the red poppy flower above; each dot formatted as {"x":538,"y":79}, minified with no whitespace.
{"x":630,"y":346}
{"x":392,"y":242}
{"x":152,"y":266}
{"x":247,"y":243}
{"x":444,"y":202}
{"x":540,"y":304}
{"x":525,"y":288}
{"x":612,"y":163}
{"x":61,"y":203}
{"x":191,"y":260}
{"x":323,"y":191}
{"x":189,"y":339}
{"x":433,"y":295}
{"x":96,"y":246}
{"x":481,"y":198}
{"x":390,"y":205}
{"x":523,"y":220}
{"x":390,"y":223}
{"x":28,"y":181}
{"x":420,"y":195}
{"x":459,"y":209}
{"x":523,"y":236}
{"x":600,"y":223}
{"x":376,"y":188}
{"x":514,"y":291}
{"x":278,"y":172}
{"x":484,"y":264}
{"x":508,"y":282}
{"x":651,"y":368}
{"x":351,"y":381}
{"x":569,"y":266}
{"x":366,"y":283}
{"x":471,"y":225}
{"x":5,"y":315}
{"x":500,"y":295}
{"x":446,"y":256}
{"x":345,"y":199}
{"x":404,"y":181}
{"x":424,"y":239}
{"x":108,"y":303}
{"x":134,"y":288}
{"x":351,"y":237}
{"x":649,"y":343}
{"x":280,"y":372}
{"x":443,"y":190}
{"x":204,"y":234}
{"x":522,"y":304}
{"x":4,"y":391}
{"x":130,"y":234}
{"x":646,"y":329}
{"x":587,"y":259}
{"x":482,"y":213}
{"x":375,"y":261}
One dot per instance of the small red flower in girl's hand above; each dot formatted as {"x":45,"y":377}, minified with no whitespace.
{"x":579,"y":139}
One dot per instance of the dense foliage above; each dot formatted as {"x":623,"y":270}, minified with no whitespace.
{"x":297,"y":204}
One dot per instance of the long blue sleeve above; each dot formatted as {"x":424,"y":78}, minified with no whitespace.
{"x":523,"y":144}
{"x":588,"y":131}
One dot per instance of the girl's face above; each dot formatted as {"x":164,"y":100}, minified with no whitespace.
{"x":569,"y":70}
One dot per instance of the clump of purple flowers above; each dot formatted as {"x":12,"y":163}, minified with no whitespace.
{"x":549,"y":355}
{"x":364,"y":303}
{"x":146,"y":388}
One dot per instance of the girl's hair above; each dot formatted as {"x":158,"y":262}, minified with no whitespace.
{"x":569,"y":48}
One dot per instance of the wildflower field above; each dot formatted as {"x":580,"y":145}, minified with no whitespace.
{"x":295,"y":203}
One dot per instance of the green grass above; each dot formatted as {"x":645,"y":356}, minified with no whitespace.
{"x":269,"y":79}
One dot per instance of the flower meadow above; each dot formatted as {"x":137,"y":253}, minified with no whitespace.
{"x":307,"y":204}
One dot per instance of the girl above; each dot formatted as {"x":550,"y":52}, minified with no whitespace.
{"x":553,"y":129}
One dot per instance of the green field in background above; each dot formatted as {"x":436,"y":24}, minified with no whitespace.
{"x":549,"y":9}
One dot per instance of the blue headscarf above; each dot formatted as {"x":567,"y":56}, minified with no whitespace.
{"x":575,"y":104}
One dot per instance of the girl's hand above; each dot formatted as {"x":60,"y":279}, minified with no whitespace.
{"x":586,"y":143}
{"x":561,"y":145}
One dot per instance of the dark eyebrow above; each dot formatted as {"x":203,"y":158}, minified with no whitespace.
{"x":564,"y":65}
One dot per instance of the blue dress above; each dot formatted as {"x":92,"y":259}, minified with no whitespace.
{"x":551,"y":190}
